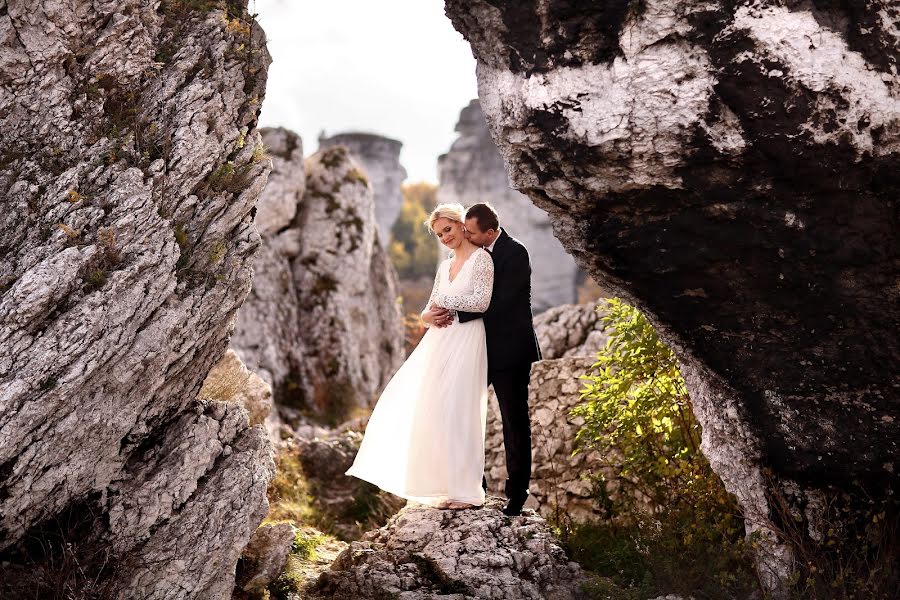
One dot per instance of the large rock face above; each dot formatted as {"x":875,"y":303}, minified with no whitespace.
{"x":473,"y":171}
{"x":380,"y":158}
{"x":731,"y":169}
{"x":129,"y":171}
{"x":321,"y":325}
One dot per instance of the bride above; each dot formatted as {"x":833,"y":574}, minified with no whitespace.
{"x":425,"y":438}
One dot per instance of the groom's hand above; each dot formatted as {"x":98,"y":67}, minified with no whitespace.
{"x":437,"y":316}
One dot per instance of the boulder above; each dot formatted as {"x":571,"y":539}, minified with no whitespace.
{"x":731,"y":170}
{"x":424,"y":552}
{"x":130,"y":168}
{"x":349,"y":505}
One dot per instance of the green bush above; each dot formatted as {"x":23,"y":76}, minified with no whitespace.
{"x":672,"y":527}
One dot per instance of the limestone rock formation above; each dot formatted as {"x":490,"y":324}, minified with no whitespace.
{"x":428,"y":553}
{"x":473,"y":171}
{"x":730,"y":169}
{"x":570,"y":330}
{"x":321,"y":324}
{"x":267,"y":334}
{"x":129,"y":171}
{"x":380,"y":159}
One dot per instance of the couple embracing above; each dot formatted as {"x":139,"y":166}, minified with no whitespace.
{"x":425,"y":438}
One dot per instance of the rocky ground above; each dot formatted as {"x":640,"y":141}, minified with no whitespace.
{"x":476,"y":553}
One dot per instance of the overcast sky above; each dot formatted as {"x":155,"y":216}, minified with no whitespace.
{"x":396,"y":68}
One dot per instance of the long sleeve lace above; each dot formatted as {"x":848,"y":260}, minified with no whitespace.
{"x":434,"y":292}
{"x":483,"y":280}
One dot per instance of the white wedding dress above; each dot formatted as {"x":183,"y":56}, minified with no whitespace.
{"x":425,"y":438}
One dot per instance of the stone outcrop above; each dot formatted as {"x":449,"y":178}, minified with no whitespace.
{"x":425,"y":553}
{"x":380,"y":159}
{"x":129,"y":169}
{"x":473,"y":171}
{"x":321,"y":324}
{"x":570,"y":330}
{"x":730,"y":169}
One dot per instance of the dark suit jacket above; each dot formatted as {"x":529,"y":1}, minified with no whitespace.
{"x":511,"y":341}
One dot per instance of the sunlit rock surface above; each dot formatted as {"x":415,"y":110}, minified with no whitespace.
{"x":321,"y":324}
{"x":129,"y":170}
{"x":424,"y":553}
{"x":732,"y":170}
{"x":473,"y":171}
{"x":380,"y":159}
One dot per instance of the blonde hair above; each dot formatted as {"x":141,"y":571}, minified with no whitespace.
{"x":451,"y":210}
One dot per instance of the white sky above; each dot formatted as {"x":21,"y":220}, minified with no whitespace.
{"x":396,"y":68}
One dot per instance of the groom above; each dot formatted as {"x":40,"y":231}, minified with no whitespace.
{"x":511,"y":343}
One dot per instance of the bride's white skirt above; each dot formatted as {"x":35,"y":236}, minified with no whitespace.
{"x":425,"y":438}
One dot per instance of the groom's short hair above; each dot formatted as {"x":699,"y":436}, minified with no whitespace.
{"x":485,"y":215}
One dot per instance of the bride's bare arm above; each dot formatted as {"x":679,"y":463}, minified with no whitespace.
{"x":480,"y":298}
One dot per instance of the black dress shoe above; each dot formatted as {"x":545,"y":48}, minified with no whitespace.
{"x":513,"y":506}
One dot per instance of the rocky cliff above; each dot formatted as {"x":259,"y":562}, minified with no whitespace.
{"x":730,"y":169}
{"x":129,"y":169}
{"x":321,"y":324}
{"x":380,"y":159}
{"x":473,"y":171}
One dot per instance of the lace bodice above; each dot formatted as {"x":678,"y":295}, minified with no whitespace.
{"x":471,"y":290}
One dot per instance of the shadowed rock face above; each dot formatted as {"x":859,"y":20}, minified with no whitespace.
{"x":473,"y":171}
{"x":732,"y":171}
{"x":129,"y":177}
{"x":380,"y":159}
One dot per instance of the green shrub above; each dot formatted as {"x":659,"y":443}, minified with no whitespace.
{"x":672,"y":528}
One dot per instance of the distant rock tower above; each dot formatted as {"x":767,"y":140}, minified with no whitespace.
{"x":473,"y":171}
{"x":380,"y":157}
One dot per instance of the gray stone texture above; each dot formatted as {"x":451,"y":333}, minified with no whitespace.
{"x":570,"y":330}
{"x":129,"y":176}
{"x":729,"y":169}
{"x":473,"y":171}
{"x":425,"y":553}
{"x":321,"y":324}
{"x":380,"y":158}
